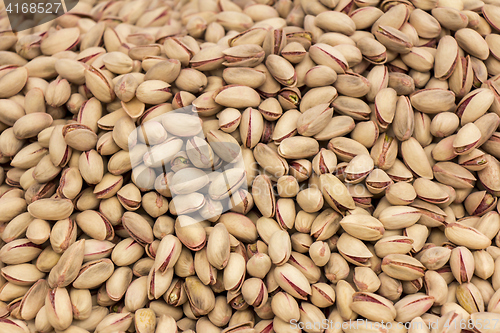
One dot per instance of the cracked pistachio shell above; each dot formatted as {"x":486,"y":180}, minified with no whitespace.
{"x":346,"y":149}
{"x":366,"y":279}
{"x":373,"y":306}
{"x":58,"y":308}
{"x":254,"y":292}
{"x":467,"y":139}
{"x":464,"y":235}
{"x":324,"y":54}
{"x":433,"y":101}
{"x":298,"y":147}
{"x":264,"y":195}
{"x":393,"y":244}
{"x":363,"y":227}
{"x":67,"y":268}
{"x":234,"y":272}
{"x":470,"y":298}
{"x":402,"y":267}
{"x":239,"y":226}
{"x":285,"y":307}
{"x":354,"y":250}
{"x":314,"y":120}
{"x":396,"y":217}
{"x":237,"y":96}
{"x":412,"y":306}
{"x":280,"y":247}
{"x":416,"y":159}
{"x":218,"y":246}
{"x":293,"y":281}
{"x":335,"y":193}
{"x":93,"y":273}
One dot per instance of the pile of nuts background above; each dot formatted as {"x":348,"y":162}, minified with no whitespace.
{"x":360,"y":146}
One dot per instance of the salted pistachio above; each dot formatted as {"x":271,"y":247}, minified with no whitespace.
{"x":363,"y":227}
{"x":373,"y":51}
{"x":470,"y":298}
{"x":351,"y":84}
{"x":460,"y":82}
{"x":430,"y":191}
{"x":224,"y":145}
{"x":385,"y":106}
{"x":93,"y":274}
{"x":402,"y":267}
{"x":400,"y":193}
{"x":58,"y":308}
{"x":292,"y":280}
{"x":246,"y":55}
{"x":393,"y":39}
{"x":251,"y":127}
{"x":414,"y":157}
{"x":138,"y":228}
{"x":239,"y":226}
{"x":479,"y":203}
{"x":314,"y":120}
{"x":461,"y":234}
{"x":320,"y":76}
{"x":281,"y":69}
{"x":396,"y":217}
{"x":432,"y":100}
{"x":346,"y":149}
{"x":63,"y":235}
{"x":250,"y":36}
{"x":19,"y":251}
{"x":324,"y":54}
{"x":99,"y":84}
{"x":354,"y":250}
{"x":402,"y":83}
{"x":358,"y":168}
{"x":484,"y":264}
{"x":482,"y":318}
{"x":412,"y":306}
{"x":393,"y":244}
{"x":335,"y":193}
{"x":319,"y":252}
{"x":13,"y":82}
{"x":467,"y":139}
{"x":79,"y":137}
{"x":29,"y":156}
{"x":234,"y":272}
{"x":51,"y":209}
{"x":95,"y":249}
{"x":373,"y":306}
{"x":377,"y":181}
{"x":488,"y":224}
{"x":489,"y":175}
{"x":285,"y":307}
{"x":384,"y":152}
{"x":190,"y":232}
{"x":114,"y":321}
{"x":435,"y":257}
{"x":226,"y":183}
{"x":95,"y":225}
{"x":259,"y":265}
{"x":472,"y":42}
{"x":254,"y":292}
{"x":218,"y":247}
{"x":269,"y":160}
{"x":462,"y":264}
{"x":454,"y":175}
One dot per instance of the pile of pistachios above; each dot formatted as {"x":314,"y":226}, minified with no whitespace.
{"x":251,"y":166}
